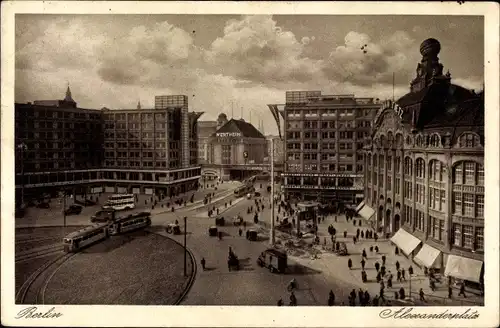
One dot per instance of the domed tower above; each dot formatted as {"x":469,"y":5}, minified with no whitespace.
{"x":221,"y":120}
{"x":429,"y":70}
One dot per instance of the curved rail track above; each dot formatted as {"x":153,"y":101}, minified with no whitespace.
{"x":39,"y":252}
{"x":33,"y":289}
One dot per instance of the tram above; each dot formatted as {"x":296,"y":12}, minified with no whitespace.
{"x":243,"y":190}
{"x":129,"y":223}
{"x":82,"y":238}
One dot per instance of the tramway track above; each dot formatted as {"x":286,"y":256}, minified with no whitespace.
{"x":39,"y":252}
{"x":33,"y":289}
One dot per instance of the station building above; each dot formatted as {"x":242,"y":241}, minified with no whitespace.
{"x":60,"y":145}
{"x":322,"y":134}
{"x":424,"y":172}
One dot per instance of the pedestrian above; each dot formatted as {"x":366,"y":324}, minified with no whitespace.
{"x":280,"y":302}
{"x":396,"y":250}
{"x":382,"y":287}
{"x":410,"y":270}
{"x":293,"y":299}
{"x":354,"y":239}
{"x":363,"y":264}
{"x":389,"y":281}
{"x":450,"y":291}
{"x":383,"y":259}
{"x":357,"y":233}
{"x":376,"y":237}
{"x":367,"y":297}
{"x":353,"y":297}
{"x":402,"y":293}
{"x":462,"y":290}
{"x":396,"y":295}
{"x":364,"y":254}
{"x":382,"y":270}
{"x":334,"y":231}
{"x":397,"y":265}
{"x":335,"y":218}
{"x":371,"y":249}
{"x":361,"y":296}
{"x":331,"y":298}
{"x":403,"y":274}
{"x":376,"y":249}
{"x":337,"y":246}
{"x":225,"y":205}
{"x":349,"y":263}
{"x":398,"y":275}
{"x":377,"y":266}
{"x":363,"y":276}
{"x":378,"y":277}
{"x":421,"y":294}
{"x":345,"y":233}
{"x":362,"y":234}
{"x":240,"y":231}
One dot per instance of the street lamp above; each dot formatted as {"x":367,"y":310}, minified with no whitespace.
{"x":272,"y":236}
{"x":22,"y":147}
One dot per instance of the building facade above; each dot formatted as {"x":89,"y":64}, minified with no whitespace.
{"x":237,"y":145}
{"x":61,"y":145}
{"x":424,"y":171}
{"x":321,"y":138}
{"x":279,"y":154}
{"x":205,"y":131}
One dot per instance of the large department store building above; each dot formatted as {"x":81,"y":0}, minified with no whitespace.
{"x":91,"y":151}
{"x":424,"y":172}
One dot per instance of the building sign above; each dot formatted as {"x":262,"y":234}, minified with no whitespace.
{"x":395,"y":107}
{"x":228,"y":134}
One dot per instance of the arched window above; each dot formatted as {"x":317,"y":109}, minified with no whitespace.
{"x":398,"y":164}
{"x":408,"y":166}
{"x":408,"y":140}
{"x":399,"y":140}
{"x":420,"y":168}
{"x":381,"y":161}
{"x":437,"y":192}
{"x":370,"y":159}
{"x":436,"y":169}
{"x":382,"y":141}
{"x":435,"y":142}
{"x":468,"y":140}
{"x":375,"y":160}
{"x":419,"y":141}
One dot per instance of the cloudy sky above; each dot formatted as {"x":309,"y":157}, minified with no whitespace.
{"x":233,"y":61}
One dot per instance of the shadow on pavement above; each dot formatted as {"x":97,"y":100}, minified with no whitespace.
{"x":114,"y":242}
{"x":299,"y":269}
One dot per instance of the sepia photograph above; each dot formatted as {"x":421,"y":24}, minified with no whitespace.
{"x":250,"y":160}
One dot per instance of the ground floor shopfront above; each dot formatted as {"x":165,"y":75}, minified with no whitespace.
{"x":324,"y":196}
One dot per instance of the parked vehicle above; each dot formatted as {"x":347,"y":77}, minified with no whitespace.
{"x":213,"y":231}
{"x":73,"y":209}
{"x":257,"y":194}
{"x":273,"y":259}
{"x":103,"y":216}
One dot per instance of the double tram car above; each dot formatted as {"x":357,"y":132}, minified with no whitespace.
{"x":82,"y":238}
{"x":130,"y":222}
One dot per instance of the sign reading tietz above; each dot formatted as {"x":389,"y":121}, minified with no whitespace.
{"x":228,"y":134}
{"x":395,"y":107}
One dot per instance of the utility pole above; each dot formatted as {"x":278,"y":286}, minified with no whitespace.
{"x":185,"y":246}
{"x":272,"y":237}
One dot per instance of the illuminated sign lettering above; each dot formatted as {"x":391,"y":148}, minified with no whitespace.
{"x":228,"y":134}
{"x":395,"y":107}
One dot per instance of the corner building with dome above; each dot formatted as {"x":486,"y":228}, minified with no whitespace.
{"x":424,"y":173}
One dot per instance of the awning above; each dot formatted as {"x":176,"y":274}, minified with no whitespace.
{"x":427,"y":256}
{"x":406,"y":241}
{"x":366,"y":212}
{"x":463,"y":268}
{"x":358,"y":208}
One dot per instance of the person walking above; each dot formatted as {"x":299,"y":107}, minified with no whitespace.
{"x":410,"y":270}
{"x":389,"y":281}
{"x":354,"y":239}
{"x":293,"y":299}
{"x":402,"y":293}
{"x":345,"y":233}
{"x":379,"y":277}
{"x":240,"y":231}
{"x":361,"y":297}
{"x":349,"y":263}
{"x":377,"y":266}
{"x":362,"y":234}
{"x":376,"y":249}
{"x":398,"y":275}
{"x":203,"y":263}
{"x":376,"y":237}
{"x":397,"y":265}
{"x":363,"y":276}
{"x":450,"y":291}
{"x":382,"y":270}
{"x":403,"y":274}
{"x":421,"y":294}
{"x":357,"y":233}
{"x":280,"y":302}
{"x":462,"y":290}
{"x":383,"y":259}
{"x":367,"y":297}
{"x":371,"y":249}
{"x":396,"y":250}
{"x":331,"y":298}
{"x":363,"y":264}
{"x":364,"y":254}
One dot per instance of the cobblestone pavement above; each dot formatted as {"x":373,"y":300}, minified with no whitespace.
{"x":251,"y":285}
{"x":138,"y":268}
{"x":336,"y":267}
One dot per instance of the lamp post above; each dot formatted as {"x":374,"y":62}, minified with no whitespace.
{"x":272,"y":236}
{"x":22,"y":147}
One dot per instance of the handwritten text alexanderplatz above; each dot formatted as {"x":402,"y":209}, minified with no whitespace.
{"x":409,"y":313}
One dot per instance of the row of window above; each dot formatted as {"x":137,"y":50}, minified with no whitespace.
{"x":324,"y":167}
{"x":465,"y":236}
{"x":137,"y":154}
{"x":53,"y":113}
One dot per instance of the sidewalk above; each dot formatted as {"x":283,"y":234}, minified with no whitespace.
{"x":336,"y":266}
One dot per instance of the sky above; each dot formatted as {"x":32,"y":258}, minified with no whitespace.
{"x":233,"y":64}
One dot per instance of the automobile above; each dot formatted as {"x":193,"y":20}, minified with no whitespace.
{"x":273,"y":259}
{"x":220,"y":221}
{"x":43,"y":205}
{"x":257,"y":194}
{"x":102,"y":216}
{"x":73,"y":209}
{"x":252,"y":235}
{"x":212,"y":231}
{"x":173,"y":228}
